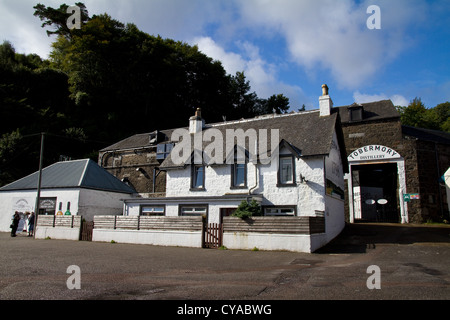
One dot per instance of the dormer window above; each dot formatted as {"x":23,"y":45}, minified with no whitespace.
{"x":355,"y":112}
{"x":197,"y":177}
{"x":286,"y":164}
{"x":239,"y":169}
{"x":153,"y":137}
{"x":286,"y":171}
{"x":239,"y":175}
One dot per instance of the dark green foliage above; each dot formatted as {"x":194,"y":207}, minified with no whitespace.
{"x":246,"y":210}
{"x":417,"y":115}
{"x":105,"y":82}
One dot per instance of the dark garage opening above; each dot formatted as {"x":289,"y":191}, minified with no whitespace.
{"x":379,"y":192}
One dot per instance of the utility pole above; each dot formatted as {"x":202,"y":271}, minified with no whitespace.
{"x":36,"y":207}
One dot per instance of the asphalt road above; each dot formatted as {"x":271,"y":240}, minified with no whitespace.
{"x":413,"y":262}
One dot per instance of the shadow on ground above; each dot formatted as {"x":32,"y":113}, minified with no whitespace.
{"x":358,"y":237}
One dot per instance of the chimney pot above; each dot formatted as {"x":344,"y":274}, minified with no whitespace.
{"x":324,"y":90}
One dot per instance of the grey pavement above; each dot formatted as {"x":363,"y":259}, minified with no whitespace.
{"x":414,"y":263}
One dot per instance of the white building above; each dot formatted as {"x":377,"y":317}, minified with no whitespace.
{"x":305,"y":179}
{"x":78,"y":187}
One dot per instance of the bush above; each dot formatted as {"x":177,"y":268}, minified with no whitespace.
{"x":247,"y":210}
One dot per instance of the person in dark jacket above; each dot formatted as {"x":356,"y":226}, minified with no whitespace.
{"x":15,"y":224}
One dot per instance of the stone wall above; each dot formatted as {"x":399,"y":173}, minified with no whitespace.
{"x":432,"y":162}
{"x":138,"y":168}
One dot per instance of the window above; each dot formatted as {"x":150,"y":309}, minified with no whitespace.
{"x":355,"y":113}
{"x":286,"y":171}
{"x":195,"y":210}
{"x":152,"y":211}
{"x":198,"y":177}
{"x":239,"y":175}
{"x":163,"y":150}
{"x":279,"y":211}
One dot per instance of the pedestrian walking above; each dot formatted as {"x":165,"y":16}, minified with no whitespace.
{"x":31,"y":224}
{"x":15,"y":224}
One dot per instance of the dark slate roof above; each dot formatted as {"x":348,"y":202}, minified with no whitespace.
{"x":83,"y":173}
{"x":372,"y":111}
{"x":426,"y":134}
{"x":141,"y":140}
{"x":307,"y":132}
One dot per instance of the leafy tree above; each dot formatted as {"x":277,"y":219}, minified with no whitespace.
{"x":417,"y":115}
{"x":107,"y":81}
{"x":277,"y":103}
{"x":414,"y":114}
{"x":58,"y":18}
{"x":243,"y":102}
{"x":440,"y":115}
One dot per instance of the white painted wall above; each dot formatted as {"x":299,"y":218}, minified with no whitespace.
{"x":8,"y":199}
{"x":83,"y":202}
{"x":61,"y":233}
{"x":308,"y":197}
{"x":335,"y":207}
{"x":217,"y":181}
{"x":153,"y":237}
{"x":267,"y":241}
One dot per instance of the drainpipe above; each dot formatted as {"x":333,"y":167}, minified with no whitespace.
{"x":155,"y":175}
{"x":250,"y":191}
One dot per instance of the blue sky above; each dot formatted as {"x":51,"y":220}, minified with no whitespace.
{"x":288,"y":46}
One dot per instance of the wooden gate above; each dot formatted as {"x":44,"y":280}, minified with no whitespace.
{"x":86,"y":230}
{"x":212,"y":235}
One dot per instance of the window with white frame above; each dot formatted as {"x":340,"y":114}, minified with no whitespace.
{"x":198,"y":177}
{"x":195,"y":210}
{"x":279,"y":211}
{"x":148,"y":210}
{"x":239,"y":175}
{"x":286,"y":170}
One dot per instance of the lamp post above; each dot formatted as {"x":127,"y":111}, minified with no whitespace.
{"x":36,"y":207}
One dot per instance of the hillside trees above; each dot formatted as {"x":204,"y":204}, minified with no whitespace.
{"x":104,"y":82}
{"x":416,"y":114}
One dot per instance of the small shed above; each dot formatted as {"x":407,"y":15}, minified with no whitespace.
{"x":78,"y":187}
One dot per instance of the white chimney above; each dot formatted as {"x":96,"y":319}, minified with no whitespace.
{"x":325,"y":102}
{"x":196,"y":123}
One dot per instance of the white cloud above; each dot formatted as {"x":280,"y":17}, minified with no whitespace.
{"x":22,"y":29}
{"x":261,"y":74}
{"x":332,"y":35}
{"x":397,"y":99}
